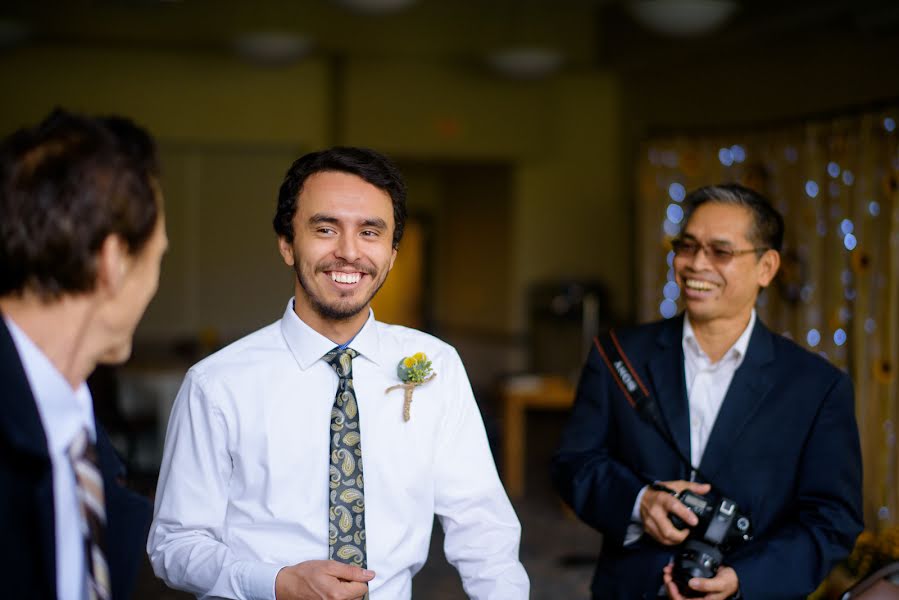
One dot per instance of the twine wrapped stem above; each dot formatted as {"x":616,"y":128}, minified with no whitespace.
{"x":407,"y":388}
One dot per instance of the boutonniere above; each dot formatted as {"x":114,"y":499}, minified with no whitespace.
{"x":413,"y":371}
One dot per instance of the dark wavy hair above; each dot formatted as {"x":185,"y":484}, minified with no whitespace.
{"x":767,"y":223}
{"x":371,"y":166}
{"x":65,"y":186}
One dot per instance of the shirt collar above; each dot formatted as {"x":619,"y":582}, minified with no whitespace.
{"x":64,"y":411}
{"x":738,"y":350}
{"x":309,"y":346}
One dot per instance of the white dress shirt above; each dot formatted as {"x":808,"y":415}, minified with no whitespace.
{"x":63,"y":412}
{"x":243,"y":488}
{"x":707,"y":384}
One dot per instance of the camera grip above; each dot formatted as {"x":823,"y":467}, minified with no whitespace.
{"x":677,"y":522}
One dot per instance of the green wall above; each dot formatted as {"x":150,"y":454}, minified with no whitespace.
{"x":228,"y":130}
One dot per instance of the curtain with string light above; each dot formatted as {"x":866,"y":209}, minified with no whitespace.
{"x":836,"y":182}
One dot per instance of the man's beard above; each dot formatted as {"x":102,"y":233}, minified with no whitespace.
{"x":335,"y":312}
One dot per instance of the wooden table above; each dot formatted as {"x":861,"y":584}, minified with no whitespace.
{"x":519,"y":395}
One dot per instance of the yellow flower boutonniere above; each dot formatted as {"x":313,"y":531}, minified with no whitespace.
{"x":413,"y":371}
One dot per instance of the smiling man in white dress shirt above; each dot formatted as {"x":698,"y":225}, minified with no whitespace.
{"x":243,"y":502}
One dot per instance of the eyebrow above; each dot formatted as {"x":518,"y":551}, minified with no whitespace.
{"x":374,"y":222}
{"x":717,"y":242}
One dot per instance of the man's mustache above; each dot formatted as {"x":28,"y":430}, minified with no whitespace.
{"x":343,"y":265}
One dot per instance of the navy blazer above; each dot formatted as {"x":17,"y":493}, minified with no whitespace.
{"x":784,"y":446}
{"x":27,"y":519}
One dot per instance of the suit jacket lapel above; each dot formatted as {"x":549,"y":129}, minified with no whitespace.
{"x":20,"y":422}
{"x":666,"y":374}
{"x":20,"y":425}
{"x":746,"y":393}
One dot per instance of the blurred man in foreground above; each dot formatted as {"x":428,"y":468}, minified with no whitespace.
{"x":82,"y":235}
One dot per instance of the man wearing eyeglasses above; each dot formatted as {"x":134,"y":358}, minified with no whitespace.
{"x":750,"y":416}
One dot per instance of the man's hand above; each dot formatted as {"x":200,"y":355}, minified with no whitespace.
{"x":723,"y":585}
{"x":322,"y":580}
{"x":655,"y":506}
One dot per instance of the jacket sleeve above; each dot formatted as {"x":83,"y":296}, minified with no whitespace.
{"x":127,"y":520}
{"x":827,"y":517}
{"x":600,"y":489}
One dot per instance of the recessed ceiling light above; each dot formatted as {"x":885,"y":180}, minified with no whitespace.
{"x":682,"y":18}
{"x":376,"y":6}
{"x":525,"y":62}
{"x":272,"y":47}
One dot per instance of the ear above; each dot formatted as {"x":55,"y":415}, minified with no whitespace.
{"x":112,"y":264}
{"x":769,"y":264}
{"x":392,"y":260}
{"x":286,"y":250}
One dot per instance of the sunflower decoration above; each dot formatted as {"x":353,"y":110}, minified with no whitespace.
{"x":873,"y":551}
{"x":413,"y":371}
{"x":863,"y":553}
{"x":882,"y":370}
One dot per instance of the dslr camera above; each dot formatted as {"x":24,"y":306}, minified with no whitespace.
{"x":721,"y":528}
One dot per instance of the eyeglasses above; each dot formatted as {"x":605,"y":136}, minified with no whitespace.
{"x":719,"y":254}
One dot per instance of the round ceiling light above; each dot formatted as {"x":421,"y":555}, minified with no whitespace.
{"x":682,"y":18}
{"x":525,"y":62}
{"x":373,"y":7}
{"x":272,"y":47}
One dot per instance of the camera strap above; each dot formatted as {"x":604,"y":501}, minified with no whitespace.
{"x":635,"y":391}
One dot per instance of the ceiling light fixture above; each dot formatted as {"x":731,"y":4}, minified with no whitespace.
{"x":682,"y":18}
{"x":376,"y":7}
{"x":525,"y":62}
{"x":272,"y":47}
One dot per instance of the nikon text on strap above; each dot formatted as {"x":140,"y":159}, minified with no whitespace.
{"x":635,"y":391}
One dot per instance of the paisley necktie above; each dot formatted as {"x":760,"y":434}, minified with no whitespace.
{"x":346,"y":513}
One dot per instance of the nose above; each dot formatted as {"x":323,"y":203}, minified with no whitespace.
{"x":700,"y":261}
{"x":347,"y":248}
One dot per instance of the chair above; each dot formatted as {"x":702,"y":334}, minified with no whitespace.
{"x":883,"y":584}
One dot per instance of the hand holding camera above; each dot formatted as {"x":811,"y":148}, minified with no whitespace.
{"x":723,"y":586}
{"x":714,"y":528}
{"x":660,"y":501}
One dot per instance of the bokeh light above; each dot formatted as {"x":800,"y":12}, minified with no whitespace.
{"x":813,"y":337}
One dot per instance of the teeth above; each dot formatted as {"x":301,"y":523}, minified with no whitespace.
{"x":696,"y":284}
{"x":345,"y":277}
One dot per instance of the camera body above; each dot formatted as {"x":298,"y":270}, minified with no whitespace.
{"x":721,"y":528}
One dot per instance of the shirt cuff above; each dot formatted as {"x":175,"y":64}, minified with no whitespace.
{"x":635,"y":513}
{"x":257,"y":580}
{"x":635,"y":529}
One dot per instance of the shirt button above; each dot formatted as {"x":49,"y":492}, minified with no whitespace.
{"x":695,"y":421}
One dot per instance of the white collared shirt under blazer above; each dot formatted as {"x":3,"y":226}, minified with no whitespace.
{"x":243,"y":488}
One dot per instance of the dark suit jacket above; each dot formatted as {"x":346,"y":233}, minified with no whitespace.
{"x":27,"y":523}
{"x":784,"y":446}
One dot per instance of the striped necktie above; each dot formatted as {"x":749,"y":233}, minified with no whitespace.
{"x":346,"y":511}
{"x":83,"y":454}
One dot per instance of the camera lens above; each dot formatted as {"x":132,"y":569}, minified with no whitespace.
{"x":695,"y":559}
